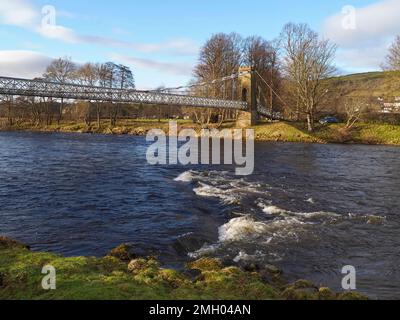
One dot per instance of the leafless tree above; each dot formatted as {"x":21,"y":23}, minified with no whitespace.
{"x":221,"y":56}
{"x":393,"y":57}
{"x":87,"y":74}
{"x":61,"y":70}
{"x":117,"y":76}
{"x":355,"y":108}
{"x":262,"y":55}
{"x":307,"y":63}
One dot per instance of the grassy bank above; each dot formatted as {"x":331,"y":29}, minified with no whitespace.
{"x":361,"y":133}
{"x":120,"y":275}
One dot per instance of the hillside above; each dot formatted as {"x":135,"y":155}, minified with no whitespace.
{"x":375,"y":84}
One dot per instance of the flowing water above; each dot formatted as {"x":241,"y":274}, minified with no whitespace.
{"x":309,"y":209}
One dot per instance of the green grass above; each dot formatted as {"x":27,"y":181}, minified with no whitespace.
{"x":361,"y":133}
{"x":110,"y":278}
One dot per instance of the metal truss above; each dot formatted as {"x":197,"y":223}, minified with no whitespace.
{"x":267,"y":113}
{"x":45,"y":89}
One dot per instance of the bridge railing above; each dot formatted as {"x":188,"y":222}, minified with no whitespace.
{"x":46,"y":89}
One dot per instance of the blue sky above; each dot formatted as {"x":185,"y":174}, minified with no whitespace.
{"x":160,"y":40}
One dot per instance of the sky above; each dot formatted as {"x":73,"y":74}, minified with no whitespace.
{"x":160,"y":39}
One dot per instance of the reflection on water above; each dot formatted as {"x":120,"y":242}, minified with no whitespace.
{"x":310,"y":209}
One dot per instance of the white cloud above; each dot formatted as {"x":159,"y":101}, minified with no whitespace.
{"x":17,"y":13}
{"x":364,"y":47}
{"x":23,"y":64}
{"x":173,"y":68}
{"x":22,"y":13}
{"x":180,"y":46}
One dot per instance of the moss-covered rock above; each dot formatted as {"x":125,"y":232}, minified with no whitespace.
{"x":326,"y":294}
{"x":304,"y":284}
{"x":172,"y":278}
{"x":301,"y":290}
{"x":352,"y":295}
{"x":123,"y":253}
{"x":206,"y":264}
{"x":137,"y":265}
{"x":111,"y":278}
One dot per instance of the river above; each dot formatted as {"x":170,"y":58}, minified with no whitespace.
{"x":308,"y":209}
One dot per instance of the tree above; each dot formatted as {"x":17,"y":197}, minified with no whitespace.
{"x":116,"y":76}
{"x":262,"y":55}
{"x":354,"y":107}
{"x":221,"y":56}
{"x":307,"y":63}
{"x":61,"y":70}
{"x":88,"y":75}
{"x":393,"y":57}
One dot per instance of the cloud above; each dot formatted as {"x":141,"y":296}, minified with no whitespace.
{"x":181,"y":69}
{"x":23,"y":14}
{"x":180,"y":46}
{"x":175,"y":46}
{"x":23,"y":64}
{"x":364,"y":34}
{"x":17,"y":13}
{"x":373,"y":23}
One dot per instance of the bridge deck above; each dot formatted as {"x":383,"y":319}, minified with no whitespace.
{"x":45,"y":89}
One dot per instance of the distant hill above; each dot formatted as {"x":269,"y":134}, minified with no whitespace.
{"x":376,"y":84}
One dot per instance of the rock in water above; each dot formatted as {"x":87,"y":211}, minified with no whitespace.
{"x":7,"y":243}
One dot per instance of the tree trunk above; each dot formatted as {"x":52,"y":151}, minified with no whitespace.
{"x":60,"y":113}
{"x":310,"y":122}
{"x":98,"y":115}
{"x":9,"y":115}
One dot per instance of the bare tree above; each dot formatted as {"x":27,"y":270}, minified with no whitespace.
{"x":60,"y":70}
{"x":307,"y":63}
{"x":262,"y":55}
{"x":87,"y":74}
{"x":354,"y":107}
{"x":393,"y":57}
{"x":116,"y":76}
{"x":221,"y":56}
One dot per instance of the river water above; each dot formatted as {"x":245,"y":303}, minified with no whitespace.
{"x":308,"y":209}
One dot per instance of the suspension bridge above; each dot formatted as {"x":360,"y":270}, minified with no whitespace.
{"x":236,"y":92}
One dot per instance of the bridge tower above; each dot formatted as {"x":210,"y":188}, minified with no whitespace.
{"x":248,"y":92}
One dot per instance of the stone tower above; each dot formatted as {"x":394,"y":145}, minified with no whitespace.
{"x":248,"y":91}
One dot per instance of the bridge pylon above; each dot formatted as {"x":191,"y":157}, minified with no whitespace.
{"x":248,"y":91}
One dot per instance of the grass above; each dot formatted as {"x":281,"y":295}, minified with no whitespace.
{"x":376,"y":84}
{"x":113,"y":278}
{"x":361,"y":133}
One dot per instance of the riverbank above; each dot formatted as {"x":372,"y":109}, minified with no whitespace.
{"x":122,"y":275}
{"x":362,"y":133}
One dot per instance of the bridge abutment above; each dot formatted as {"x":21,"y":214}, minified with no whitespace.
{"x":248,"y":87}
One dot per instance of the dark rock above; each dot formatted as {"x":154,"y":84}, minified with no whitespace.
{"x":273,"y":270}
{"x":7,"y":243}
{"x":192,"y":274}
{"x":251,"y":267}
